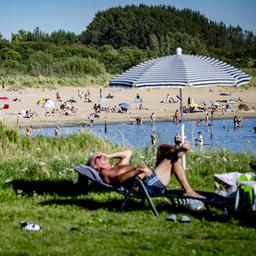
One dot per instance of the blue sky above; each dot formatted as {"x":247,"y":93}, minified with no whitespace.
{"x":75,"y":15}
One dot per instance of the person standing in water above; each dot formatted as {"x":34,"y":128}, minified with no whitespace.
{"x":200,"y":139}
{"x":57,"y":131}
{"x":177,"y":140}
{"x":29,"y":131}
{"x":153,"y":138}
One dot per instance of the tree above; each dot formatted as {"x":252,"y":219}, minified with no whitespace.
{"x":62,"y":37}
{"x":146,"y":26}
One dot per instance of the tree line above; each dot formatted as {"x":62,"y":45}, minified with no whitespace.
{"x":121,"y":37}
{"x":137,"y":25}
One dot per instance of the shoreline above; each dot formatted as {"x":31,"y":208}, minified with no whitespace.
{"x":77,"y":122}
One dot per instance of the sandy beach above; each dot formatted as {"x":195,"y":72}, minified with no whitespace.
{"x":23,"y":100}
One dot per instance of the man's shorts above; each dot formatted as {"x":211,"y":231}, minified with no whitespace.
{"x":153,"y":184}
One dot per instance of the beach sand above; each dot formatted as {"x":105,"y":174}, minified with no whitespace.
{"x":26,"y":99}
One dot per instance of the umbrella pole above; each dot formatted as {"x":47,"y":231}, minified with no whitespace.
{"x":182,"y":132}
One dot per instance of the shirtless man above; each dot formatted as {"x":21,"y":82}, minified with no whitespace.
{"x":168,"y":162}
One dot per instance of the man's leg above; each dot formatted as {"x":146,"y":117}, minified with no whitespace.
{"x":180,"y":174}
{"x":172,"y":163}
{"x":162,"y":150}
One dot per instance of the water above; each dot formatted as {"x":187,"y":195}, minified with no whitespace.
{"x":221,"y":134}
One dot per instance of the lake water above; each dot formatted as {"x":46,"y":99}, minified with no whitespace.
{"x":221,"y":134}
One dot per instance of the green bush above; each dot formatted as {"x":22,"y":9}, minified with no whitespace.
{"x":79,"y":66}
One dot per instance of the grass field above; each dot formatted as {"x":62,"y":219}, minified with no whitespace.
{"x":38,"y":185}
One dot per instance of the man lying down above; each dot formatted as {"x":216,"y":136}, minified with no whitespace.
{"x":168,"y":162}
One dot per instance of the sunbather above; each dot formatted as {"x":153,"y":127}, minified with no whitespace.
{"x":168,"y":162}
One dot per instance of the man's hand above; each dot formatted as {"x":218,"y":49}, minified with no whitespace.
{"x":181,"y":151}
{"x":105,"y":155}
{"x":186,"y":145}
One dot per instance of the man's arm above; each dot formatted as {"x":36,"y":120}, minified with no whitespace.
{"x":122,"y":173}
{"x":124,"y":156}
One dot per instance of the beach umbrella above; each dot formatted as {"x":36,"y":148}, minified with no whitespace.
{"x":49,"y":104}
{"x":179,"y":71}
{"x":124,"y":106}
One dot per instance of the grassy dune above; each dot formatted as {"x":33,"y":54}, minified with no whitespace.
{"x":53,"y":82}
{"x":37,"y":184}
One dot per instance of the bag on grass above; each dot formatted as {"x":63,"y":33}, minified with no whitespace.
{"x":226,"y":184}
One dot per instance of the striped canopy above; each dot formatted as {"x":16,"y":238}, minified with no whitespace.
{"x":180,"y":70}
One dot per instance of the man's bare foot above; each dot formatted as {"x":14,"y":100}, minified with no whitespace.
{"x":194,"y":195}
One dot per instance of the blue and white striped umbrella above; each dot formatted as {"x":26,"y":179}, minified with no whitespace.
{"x":178,"y":71}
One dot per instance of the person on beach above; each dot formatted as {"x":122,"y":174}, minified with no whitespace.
{"x":87,"y":95}
{"x":80,"y":94}
{"x":101,"y":93}
{"x":91,"y":119}
{"x":138,"y":98}
{"x":152,"y":117}
{"x":58,"y":97}
{"x":141,"y":107}
{"x":207,"y":119}
{"x":139,"y":120}
{"x":167,"y":98}
{"x":176,"y":116}
{"x":169,"y":162}
{"x":212,"y":113}
{"x":177,"y":140}
{"x":189,"y":101}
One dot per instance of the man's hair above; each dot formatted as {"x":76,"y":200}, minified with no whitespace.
{"x":92,"y":160}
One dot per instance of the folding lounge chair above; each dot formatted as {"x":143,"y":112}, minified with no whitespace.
{"x":126,"y":189}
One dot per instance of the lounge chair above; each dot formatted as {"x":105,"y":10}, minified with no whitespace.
{"x":126,"y":188}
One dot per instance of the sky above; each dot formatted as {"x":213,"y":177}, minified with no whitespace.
{"x":75,"y":15}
